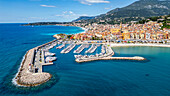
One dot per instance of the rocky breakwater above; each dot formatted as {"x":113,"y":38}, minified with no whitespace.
{"x":26,"y":78}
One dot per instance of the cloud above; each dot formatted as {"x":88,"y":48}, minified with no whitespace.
{"x":47,"y":6}
{"x":34,"y":18}
{"x":34,"y":0}
{"x":90,"y":2}
{"x":97,"y":1}
{"x":70,"y":14}
{"x":86,"y":3}
{"x":65,"y":12}
{"x":108,"y":8}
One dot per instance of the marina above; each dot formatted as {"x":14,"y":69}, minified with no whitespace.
{"x":108,"y":53}
{"x":41,"y":56}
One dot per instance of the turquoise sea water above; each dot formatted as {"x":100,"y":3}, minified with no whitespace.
{"x":98,"y":78}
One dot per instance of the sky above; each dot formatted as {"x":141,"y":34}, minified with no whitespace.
{"x":27,"y":11}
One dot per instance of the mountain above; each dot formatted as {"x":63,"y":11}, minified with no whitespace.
{"x":145,"y":8}
{"x":83,"y":18}
{"x":135,"y":11}
{"x":139,"y":10}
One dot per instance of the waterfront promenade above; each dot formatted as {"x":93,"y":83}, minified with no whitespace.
{"x":138,"y":44}
{"x":119,"y":44}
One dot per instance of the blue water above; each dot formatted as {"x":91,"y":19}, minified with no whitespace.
{"x":98,"y":78}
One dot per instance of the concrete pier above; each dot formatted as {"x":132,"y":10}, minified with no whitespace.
{"x":68,"y":49}
{"x":91,"y":49}
{"x":110,"y":58}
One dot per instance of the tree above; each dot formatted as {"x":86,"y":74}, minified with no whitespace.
{"x":68,"y":36}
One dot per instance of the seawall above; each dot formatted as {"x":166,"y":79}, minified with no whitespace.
{"x":26,"y":78}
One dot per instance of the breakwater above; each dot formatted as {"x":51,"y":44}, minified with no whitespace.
{"x":111,"y":58}
{"x":27,"y":75}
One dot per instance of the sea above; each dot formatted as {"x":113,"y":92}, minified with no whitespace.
{"x":97,"y":78}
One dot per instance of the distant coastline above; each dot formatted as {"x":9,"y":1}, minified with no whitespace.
{"x":44,"y":23}
{"x":56,"y":24}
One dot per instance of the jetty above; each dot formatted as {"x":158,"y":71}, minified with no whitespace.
{"x":59,"y":47}
{"x":68,"y":49}
{"x":81,"y":48}
{"x":92,"y":48}
{"x":110,"y":58}
{"x":30,"y":72}
{"x":103,"y":49}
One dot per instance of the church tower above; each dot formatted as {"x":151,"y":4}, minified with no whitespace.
{"x":120,"y":26}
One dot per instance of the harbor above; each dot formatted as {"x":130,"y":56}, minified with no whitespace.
{"x":31,"y":71}
{"x":106,"y":58}
{"x":106,"y":53}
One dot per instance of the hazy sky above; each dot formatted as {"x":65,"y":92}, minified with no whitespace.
{"x":19,"y":11}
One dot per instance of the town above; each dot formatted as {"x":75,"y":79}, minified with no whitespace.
{"x":127,"y":33}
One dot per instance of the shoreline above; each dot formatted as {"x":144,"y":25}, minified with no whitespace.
{"x":127,"y":44}
{"x":85,"y":30}
{"x":138,"y":44}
